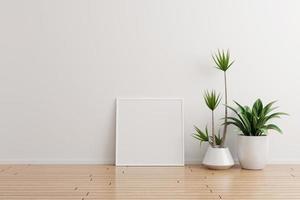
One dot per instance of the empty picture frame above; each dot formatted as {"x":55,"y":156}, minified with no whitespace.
{"x":149,"y":132}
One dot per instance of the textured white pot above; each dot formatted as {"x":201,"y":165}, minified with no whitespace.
{"x":253,"y":151}
{"x":218,"y":158}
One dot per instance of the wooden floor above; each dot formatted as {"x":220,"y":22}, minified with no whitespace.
{"x":86,"y":182}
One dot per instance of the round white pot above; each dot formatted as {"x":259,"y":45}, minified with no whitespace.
{"x":253,"y":151}
{"x":218,"y":158}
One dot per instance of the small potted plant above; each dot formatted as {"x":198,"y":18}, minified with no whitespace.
{"x":254,"y":124}
{"x":218,"y":155}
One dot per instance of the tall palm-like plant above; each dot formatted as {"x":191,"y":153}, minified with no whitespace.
{"x":212,"y":101}
{"x":223,"y":62}
{"x":255,"y":121}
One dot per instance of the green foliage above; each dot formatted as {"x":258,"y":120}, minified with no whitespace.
{"x":218,"y":139}
{"x":222,"y":60}
{"x":212,"y":100}
{"x":203,"y":136}
{"x":255,"y":121}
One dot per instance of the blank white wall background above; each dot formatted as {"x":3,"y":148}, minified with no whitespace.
{"x":63,"y":63}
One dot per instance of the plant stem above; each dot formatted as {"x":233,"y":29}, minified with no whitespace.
{"x":226,"y":112}
{"x":213,"y":129}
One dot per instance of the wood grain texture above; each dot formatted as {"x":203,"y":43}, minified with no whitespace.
{"x":87,"y":182}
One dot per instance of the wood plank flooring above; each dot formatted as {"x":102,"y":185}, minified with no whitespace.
{"x":91,"y":182}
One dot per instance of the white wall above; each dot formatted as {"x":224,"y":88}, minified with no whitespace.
{"x":63,"y":62}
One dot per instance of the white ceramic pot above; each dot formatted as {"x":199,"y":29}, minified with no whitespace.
{"x":253,"y":151}
{"x":218,"y":158}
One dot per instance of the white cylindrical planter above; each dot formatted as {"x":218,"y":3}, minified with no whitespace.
{"x":218,"y":158}
{"x":253,"y":151}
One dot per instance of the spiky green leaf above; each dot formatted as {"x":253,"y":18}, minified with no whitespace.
{"x":253,"y":121}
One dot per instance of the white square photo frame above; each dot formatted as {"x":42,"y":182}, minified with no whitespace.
{"x":149,"y":132}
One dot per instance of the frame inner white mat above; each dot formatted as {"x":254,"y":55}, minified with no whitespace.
{"x":149,"y":132}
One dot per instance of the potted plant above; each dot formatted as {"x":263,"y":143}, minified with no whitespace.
{"x":217,"y":155}
{"x":254,"y":124}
